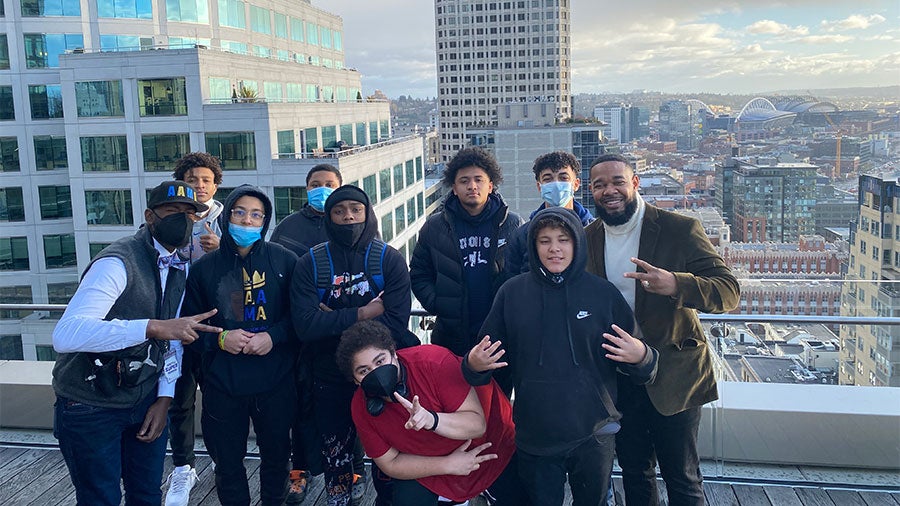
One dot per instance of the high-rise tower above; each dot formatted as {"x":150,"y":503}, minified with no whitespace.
{"x":491,"y":53}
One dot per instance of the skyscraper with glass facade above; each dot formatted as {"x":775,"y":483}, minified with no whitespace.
{"x":491,"y":53}
{"x":99,"y":98}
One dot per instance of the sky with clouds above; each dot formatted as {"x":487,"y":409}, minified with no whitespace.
{"x":718,"y":46}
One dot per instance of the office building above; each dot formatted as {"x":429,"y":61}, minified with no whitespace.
{"x":772,"y":200}
{"x":491,"y":53}
{"x":870,"y":354}
{"x":98,"y":100}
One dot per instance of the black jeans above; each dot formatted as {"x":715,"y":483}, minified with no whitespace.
{"x":588,"y":466}
{"x":181,"y":411}
{"x":226,"y":426}
{"x":647,"y":437}
{"x":306,"y":446}
{"x":335,"y":425}
{"x":505,"y":491}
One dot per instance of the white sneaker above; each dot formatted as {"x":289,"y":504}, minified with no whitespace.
{"x":181,"y":481}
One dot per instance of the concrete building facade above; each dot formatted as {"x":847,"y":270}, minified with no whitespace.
{"x":91,"y":119}
{"x":493,"y":52}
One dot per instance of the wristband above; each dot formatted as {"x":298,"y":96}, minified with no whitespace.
{"x":222,"y":339}
{"x":433,"y":427}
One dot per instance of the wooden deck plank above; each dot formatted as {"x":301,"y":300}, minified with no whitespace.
{"x":663,"y":492}
{"x":8,"y":455}
{"x":845,"y":497}
{"x":782,"y":496}
{"x":19,"y":484}
{"x":814,"y":497}
{"x":749,"y":495}
{"x":252,"y":467}
{"x":49,"y":488}
{"x":720,"y":494}
{"x":879,"y":498}
{"x":20,"y":463}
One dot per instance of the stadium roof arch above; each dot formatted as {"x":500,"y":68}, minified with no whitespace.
{"x":761,"y":114}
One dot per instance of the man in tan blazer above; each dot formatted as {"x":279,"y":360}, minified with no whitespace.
{"x":667,"y":270}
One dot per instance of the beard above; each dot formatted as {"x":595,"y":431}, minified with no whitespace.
{"x":618,"y":218}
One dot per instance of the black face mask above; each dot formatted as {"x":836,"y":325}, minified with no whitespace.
{"x":173,"y":230}
{"x":347,"y":235}
{"x":381,"y":382}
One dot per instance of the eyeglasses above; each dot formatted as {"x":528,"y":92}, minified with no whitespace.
{"x":242,"y":213}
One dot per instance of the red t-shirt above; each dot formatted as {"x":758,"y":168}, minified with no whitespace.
{"x":433,"y":373}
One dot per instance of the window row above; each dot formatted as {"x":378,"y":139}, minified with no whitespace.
{"x":236,"y":150}
{"x":224,"y":90}
{"x":57,"y":293}
{"x":59,"y":252}
{"x":55,"y":201}
{"x":157,"y":97}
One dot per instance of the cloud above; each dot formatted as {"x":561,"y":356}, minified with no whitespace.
{"x":824,"y":39}
{"x":854,"y":22}
{"x":769,"y":27}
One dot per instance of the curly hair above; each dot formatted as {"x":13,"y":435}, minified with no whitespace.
{"x":555,"y":161}
{"x":469,"y":157}
{"x":198,"y":159}
{"x":359,"y":336}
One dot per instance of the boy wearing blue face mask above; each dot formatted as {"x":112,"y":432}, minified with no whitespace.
{"x":557,"y":179}
{"x":305,"y":228}
{"x":247,"y":368}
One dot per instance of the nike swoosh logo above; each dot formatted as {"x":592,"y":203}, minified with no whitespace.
{"x":582,"y":315}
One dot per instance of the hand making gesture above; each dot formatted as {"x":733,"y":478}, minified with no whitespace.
{"x":419,"y":417}
{"x":182,"y":329}
{"x":624,"y":347}
{"x":464,"y":462}
{"x":485,"y":355}
{"x":654,"y":279}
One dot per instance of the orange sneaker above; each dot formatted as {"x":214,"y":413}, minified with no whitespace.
{"x":299,"y":483}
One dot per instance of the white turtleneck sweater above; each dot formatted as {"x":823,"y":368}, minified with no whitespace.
{"x":622,"y":243}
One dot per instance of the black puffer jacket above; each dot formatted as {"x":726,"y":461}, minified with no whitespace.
{"x":300,"y":231}
{"x":251,"y":293}
{"x":438,"y":281}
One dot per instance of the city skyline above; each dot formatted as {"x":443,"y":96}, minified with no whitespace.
{"x":703,"y":46}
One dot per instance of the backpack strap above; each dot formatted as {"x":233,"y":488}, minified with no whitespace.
{"x":375,"y":262}
{"x":323,"y":268}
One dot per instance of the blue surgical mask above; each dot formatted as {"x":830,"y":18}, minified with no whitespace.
{"x":244,"y":236}
{"x":557,"y":193}
{"x":318,"y":196}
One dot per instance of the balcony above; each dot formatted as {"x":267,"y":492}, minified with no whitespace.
{"x":761,"y":442}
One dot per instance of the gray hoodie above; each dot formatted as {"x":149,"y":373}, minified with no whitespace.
{"x":193,"y":250}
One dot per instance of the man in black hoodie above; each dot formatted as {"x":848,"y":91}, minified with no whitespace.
{"x":299,"y":232}
{"x":247,"y":367}
{"x":322,"y":313}
{"x":563,"y":373}
{"x":457,"y":264}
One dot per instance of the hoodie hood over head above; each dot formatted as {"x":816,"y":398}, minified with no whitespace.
{"x":350,"y":192}
{"x":232,"y":198}
{"x":579,"y":245}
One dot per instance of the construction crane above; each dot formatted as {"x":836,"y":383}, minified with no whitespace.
{"x":838,"y":133}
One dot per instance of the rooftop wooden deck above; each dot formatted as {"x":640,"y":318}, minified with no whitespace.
{"x":38,"y":476}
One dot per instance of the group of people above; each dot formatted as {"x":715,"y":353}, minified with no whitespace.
{"x":588,"y":325}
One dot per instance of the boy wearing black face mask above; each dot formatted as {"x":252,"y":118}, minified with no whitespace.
{"x":247,"y":368}
{"x":424,"y":425}
{"x":319,"y":318}
{"x":119,"y":345}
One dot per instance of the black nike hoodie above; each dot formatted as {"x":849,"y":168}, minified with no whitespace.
{"x":551,"y":326}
